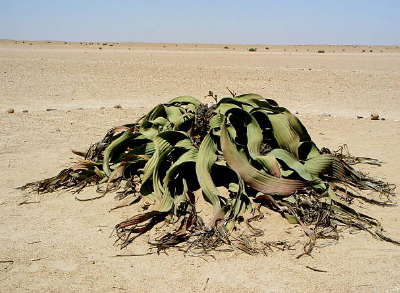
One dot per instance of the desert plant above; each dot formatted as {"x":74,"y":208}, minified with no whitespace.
{"x":252,"y":49}
{"x":321,"y":51}
{"x":257,"y":151}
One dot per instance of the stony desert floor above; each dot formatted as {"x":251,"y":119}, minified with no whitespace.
{"x":54,"y":243}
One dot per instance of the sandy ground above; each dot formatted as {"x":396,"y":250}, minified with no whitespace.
{"x":61,"y":245}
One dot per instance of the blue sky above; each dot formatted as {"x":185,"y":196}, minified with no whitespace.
{"x":235,"y":22}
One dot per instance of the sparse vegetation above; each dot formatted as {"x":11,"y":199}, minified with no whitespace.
{"x":321,"y":51}
{"x":252,"y":49}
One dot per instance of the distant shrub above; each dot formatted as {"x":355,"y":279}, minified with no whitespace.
{"x":363,"y":50}
{"x":321,"y":51}
{"x":371,"y":51}
{"x":252,"y":50}
{"x":226,"y":47}
{"x":266,"y":48}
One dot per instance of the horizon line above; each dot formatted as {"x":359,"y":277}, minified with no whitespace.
{"x":196,"y":43}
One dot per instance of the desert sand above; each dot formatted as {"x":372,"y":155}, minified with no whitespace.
{"x":54,"y":243}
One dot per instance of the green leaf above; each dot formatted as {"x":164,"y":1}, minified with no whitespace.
{"x":254,"y":140}
{"x":206,"y":159}
{"x":253,"y":177}
{"x":163,"y":144}
{"x":292,"y":163}
{"x":285,"y":135}
{"x":184,"y":100}
{"x":117,"y":143}
{"x":325,"y":164}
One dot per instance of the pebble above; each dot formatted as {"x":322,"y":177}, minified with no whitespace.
{"x":10,"y":111}
{"x":374,"y":116}
{"x":25,"y":111}
{"x":383,"y":119}
{"x":118,"y":106}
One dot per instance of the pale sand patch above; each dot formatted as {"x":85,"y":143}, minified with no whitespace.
{"x":61,"y":245}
